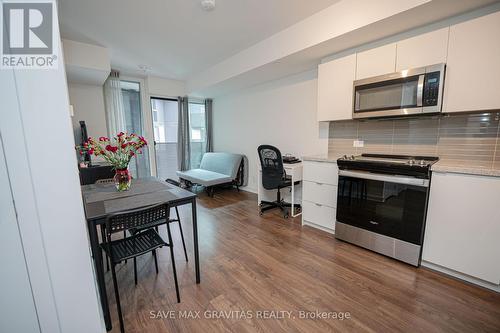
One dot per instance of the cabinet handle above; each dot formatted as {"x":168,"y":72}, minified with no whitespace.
{"x":373,"y":222}
{"x":319,"y":205}
{"x":319,"y":183}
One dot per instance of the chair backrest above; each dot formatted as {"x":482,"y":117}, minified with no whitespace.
{"x":271,"y":163}
{"x":136,"y":218}
{"x":224,"y":163}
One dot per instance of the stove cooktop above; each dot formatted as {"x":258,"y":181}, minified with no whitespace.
{"x":417,"y":166}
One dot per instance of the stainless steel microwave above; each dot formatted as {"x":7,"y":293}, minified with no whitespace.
{"x":408,"y":92}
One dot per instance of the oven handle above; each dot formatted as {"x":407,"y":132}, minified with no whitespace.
{"x":385,"y":178}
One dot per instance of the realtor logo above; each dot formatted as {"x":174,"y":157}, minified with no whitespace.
{"x":28,"y":35}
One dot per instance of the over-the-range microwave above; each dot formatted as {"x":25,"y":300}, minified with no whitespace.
{"x":408,"y":92}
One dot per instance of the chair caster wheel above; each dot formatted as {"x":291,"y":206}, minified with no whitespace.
{"x":286,"y":216}
{"x":260,"y":213}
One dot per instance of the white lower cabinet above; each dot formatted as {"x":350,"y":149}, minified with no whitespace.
{"x":319,"y":196}
{"x":463,"y":225}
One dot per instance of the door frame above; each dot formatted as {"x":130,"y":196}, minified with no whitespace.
{"x":153,"y":146}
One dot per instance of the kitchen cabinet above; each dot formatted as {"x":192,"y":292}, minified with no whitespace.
{"x":319,"y":197}
{"x":335,"y":81}
{"x":422,"y":50}
{"x":473,"y":66}
{"x":377,"y":61}
{"x":463,"y":225}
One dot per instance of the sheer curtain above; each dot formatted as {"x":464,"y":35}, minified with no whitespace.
{"x":113,"y":102}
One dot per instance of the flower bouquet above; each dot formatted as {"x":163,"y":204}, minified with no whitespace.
{"x":117,"y":151}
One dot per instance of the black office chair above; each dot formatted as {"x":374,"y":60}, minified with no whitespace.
{"x":137,"y":244}
{"x":273,"y":178}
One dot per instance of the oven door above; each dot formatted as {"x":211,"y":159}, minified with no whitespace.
{"x":394,"y":206}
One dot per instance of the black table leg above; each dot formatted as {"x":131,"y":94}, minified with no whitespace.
{"x":195,"y":237}
{"x":94,"y":245}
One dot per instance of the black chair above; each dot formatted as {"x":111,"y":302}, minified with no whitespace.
{"x":273,"y":178}
{"x":137,"y":244}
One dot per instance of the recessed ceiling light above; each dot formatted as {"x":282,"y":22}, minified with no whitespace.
{"x":208,"y":5}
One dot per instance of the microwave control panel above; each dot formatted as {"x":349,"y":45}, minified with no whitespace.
{"x":431,"y":89}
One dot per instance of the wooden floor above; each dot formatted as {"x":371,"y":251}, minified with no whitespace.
{"x":251,"y":264}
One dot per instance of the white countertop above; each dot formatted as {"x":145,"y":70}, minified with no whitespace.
{"x":440,"y":166}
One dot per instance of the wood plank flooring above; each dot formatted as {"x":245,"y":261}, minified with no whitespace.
{"x":251,"y":264}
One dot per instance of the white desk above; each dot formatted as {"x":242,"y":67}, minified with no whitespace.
{"x":294,"y":170}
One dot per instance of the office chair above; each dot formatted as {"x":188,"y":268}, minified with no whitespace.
{"x":273,"y":178}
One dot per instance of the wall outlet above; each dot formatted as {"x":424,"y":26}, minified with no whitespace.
{"x":358,"y":143}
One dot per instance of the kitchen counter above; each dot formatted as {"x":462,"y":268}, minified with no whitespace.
{"x":453,"y":167}
{"x":440,"y":166}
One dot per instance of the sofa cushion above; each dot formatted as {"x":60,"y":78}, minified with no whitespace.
{"x":222,"y":163}
{"x":204,"y":177}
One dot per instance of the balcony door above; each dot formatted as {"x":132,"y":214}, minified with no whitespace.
{"x":164,"y":113}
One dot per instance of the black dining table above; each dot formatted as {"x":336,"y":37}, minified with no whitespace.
{"x":100,"y":200}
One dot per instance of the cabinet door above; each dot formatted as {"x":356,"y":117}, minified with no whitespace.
{"x":463,"y":227}
{"x":473,"y":67}
{"x":335,"y":81}
{"x":422,"y":50}
{"x":377,"y":61}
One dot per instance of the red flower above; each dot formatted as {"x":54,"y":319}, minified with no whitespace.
{"x":111,"y":148}
{"x":124,"y":145}
{"x":120,"y":134}
{"x":103,"y":138}
{"x":91,"y":151}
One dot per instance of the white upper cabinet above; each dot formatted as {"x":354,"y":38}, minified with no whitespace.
{"x":377,"y":61}
{"x":473,"y":67}
{"x":335,"y":81}
{"x":422,"y":50}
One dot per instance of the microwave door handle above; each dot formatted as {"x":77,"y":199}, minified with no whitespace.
{"x":420,"y":89}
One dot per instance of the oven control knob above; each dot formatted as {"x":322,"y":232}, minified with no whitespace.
{"x":345,"y":157}
{"x":352,"y":158}
{"x":422,"y":162}
{"x":411,"y":162}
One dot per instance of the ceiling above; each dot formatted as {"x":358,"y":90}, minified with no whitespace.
{"x":176,"y":38}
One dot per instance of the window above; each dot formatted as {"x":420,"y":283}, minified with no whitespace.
{"x":131,"y":96}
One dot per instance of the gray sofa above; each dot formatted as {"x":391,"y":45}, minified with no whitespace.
{"x":216,"y":169}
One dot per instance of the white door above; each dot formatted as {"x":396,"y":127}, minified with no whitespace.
{"x":17,"y":308}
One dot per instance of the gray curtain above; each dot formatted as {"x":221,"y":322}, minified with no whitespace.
{"x":208,"y":126}
{"x":183,"y":136}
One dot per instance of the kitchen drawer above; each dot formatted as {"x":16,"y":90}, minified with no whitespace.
{"x":321,"y":215}
{"x":320,"y":193}
{"x":321,"y":172}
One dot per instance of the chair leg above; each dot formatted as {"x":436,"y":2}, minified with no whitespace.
{"x":103,"y":237}
{"x":156,"y":260}
{"x":171,"y":246}
{"x":117,"y":296}
{"x":135,"y":271}
{"x":182,"y":234}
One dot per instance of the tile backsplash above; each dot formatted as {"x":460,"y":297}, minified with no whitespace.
{"x":464,"y":139}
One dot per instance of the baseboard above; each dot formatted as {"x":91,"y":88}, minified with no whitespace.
{"x":461,"y":276}
{"x":316,"y":226}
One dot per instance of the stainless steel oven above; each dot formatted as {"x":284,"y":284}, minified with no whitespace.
{"x":408,"y":92}
{"x":381,"y":205}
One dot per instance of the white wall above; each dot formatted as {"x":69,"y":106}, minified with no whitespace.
{"x":281,"y":113}
{"x":161,"y":87}
{"x":88,"y":105}
{"x":42,"y":168}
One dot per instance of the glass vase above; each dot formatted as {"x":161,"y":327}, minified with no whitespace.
{"x":122,"y":179}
